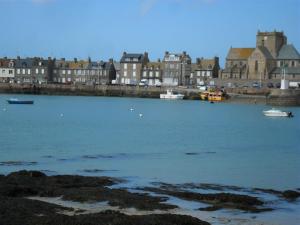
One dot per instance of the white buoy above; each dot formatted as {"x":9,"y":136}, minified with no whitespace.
{"x":140,"y":114}
{"x":61,"y":115}
{"x":4,"y":109}
{"x":131,"y":109}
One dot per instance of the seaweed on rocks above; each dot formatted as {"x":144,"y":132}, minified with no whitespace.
{"x":217,"y":200}
{"x":16,"y":211}
{"x":77,"y":188}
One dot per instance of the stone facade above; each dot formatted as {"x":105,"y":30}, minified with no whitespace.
{"x":265,"y":61}
{"x":152,"y":72}
{"x":205,"y":69}
{"x":7,"y":71}
{"x":84,"y":72}
{"x":177,"y":69}
{"x":131,"y":66}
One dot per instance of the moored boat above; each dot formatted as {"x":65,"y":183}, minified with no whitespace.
{"x":171,"y":95}
{"x":17,"y":101}
{"x":277,"y":113}
{"x":213,"y":96}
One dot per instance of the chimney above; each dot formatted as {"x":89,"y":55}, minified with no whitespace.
{"x":5,"y":57}
{"x":198,"y":60}
{"x":184,"y":53}
{"x":49,"y":58}
{"x":166,"y":53}
{"x":63,"y":59}
{"x":124,"y":53}
{"x":111,"y":60}
{"x":18,"y":57}
{"x":158,"y":60}
{"x":146,"y":54}
{"x":89,"y":59}
{"x":75,"y":60}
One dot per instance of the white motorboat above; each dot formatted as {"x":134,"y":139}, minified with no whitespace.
{"x":171,"y":95}
{"x":277,"y":112}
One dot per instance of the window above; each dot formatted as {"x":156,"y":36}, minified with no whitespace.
{"x":281,"y":63}
{"x":125,"y":73}
{"x":23,"y":71}
{"x":55,"y":71}
{"x":10,"y":72}
{"x":43,"y":71}
{"x":134,"y":73}
{"x":28,"y":71}
{"x":125,"y":66}
{"x":134,"y":66}
{"x":293,"y":63}
{"x":69,"y":71}
{"x":18,"y":71}
{"x":144,"y":74}
{"x":36,"y":70}
{"x":63,"y":72}
{"x":150,"y":74}
{"x":198,"y":73}
{"x":256,"y":66}
{"x":157,"y":74}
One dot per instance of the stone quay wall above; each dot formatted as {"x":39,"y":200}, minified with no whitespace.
{"x":278,"y":97}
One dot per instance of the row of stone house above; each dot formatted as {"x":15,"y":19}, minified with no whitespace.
{"x":39,"y":70}
{"x":270,"y":59}
{"x":175,"y":69}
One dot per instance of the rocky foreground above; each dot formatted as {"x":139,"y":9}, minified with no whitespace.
{"x":16,"y":207}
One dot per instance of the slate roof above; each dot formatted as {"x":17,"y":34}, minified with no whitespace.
{"x":288,"y":70}
{"x":154,"y":65}
{"x":131,"y":56}
{"x":288,"y":52}
{"x":24,"y":63}
{"x":205,"y":64}
{"x":266,"y":52}
{"x":4,"y":62}
{"x":239,"y":53}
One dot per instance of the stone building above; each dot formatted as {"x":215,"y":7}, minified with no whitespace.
{"x":131,"y":66}
{"x":101,"y":73}
{"x":205,"y":69}
{"x":23,"y":70}
{"x":236,"y":66}
{"x":266,"y":61}
{"x":288,"y":63}
{"x":84,"y":72}
{"x":7,"y":71}
{"x":177,"y":69}
{"x":152,"y":72}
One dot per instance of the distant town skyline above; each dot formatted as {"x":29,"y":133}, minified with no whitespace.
{"x":105,"y":29}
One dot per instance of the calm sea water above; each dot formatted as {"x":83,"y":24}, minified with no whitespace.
{"x":230,"y":144}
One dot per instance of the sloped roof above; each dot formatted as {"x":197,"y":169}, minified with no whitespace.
{"x":239,"y":53}
{"x":155,"y":65}
{"x":266,"y":52}
{"x":24,"y":63}
{"x":4,"y":62}
{"x":288,"y":52}
{"x":130,"y":56}
{"x":288,"y":70}
{"x":205,"y":64}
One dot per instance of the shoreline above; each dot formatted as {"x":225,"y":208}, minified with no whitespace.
{"x":235,"y":96}
{"x":36,"y":198}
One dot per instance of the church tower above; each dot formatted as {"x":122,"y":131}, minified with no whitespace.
{"x":273,"y":41}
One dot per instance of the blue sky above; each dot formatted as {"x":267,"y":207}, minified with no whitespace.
{"x":103,"y":29}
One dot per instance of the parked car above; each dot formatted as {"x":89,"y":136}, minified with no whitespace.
{"x":277,"y":85}
{"x":270,"y":85}
{"x":255,"y":85}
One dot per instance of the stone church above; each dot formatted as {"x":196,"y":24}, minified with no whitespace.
{"x":267,"y":61}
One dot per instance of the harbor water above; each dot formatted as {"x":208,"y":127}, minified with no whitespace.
{"x":152,"y":140}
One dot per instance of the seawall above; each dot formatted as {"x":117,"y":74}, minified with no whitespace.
{"x":278,"y":97}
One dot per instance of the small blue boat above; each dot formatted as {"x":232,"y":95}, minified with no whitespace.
{"x":17,"y":101}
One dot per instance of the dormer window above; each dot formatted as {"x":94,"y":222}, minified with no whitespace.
{"x":40,"y":63}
